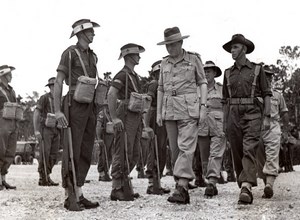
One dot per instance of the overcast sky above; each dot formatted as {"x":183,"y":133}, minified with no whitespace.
{"x":34,"y":33}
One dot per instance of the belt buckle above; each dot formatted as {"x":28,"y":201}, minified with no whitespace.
{"x":174,"y":93}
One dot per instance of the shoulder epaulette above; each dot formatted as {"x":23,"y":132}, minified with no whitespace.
{"x":195,"y":53}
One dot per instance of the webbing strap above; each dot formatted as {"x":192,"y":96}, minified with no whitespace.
{"x":51,"y":107}
{"x":256,"y":73}
{"x":4,"y":93}
{"x":227,"y":74}
{"x":132,"y":82}
{"x":82,"y":64}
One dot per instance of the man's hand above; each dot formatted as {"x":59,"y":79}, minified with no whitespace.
{"x":203,"y":114}
{"x":266,"y":123}
{"x":118,"y":124}
{"x":38,"y":136}
{"x":159,"y":120}
{"x":61,"y":119}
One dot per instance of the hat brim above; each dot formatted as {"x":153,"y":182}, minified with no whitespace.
{"x":218,"y":70}
{"x":250,"y":46}
{"x":94,"y":26}
{"x":173,"y":41}
{"x":11,"y":69}
{"x":49,"y":84}
{"x":141,"y":50}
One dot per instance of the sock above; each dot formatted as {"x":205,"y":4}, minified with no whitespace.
{"x":79,"y":190}
{"x":183,"y":182}
{"x":3,"y":178}
{"x":213,"y":180}
{"x":101,"y":173}
{"x":66,"y":193}
{"x":270,"y":180}
{"x":246,"y":184}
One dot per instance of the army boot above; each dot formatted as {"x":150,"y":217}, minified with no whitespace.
{"x":6,"y":185}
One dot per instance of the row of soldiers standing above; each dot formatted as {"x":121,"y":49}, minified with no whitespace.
{"x":238,"y":112}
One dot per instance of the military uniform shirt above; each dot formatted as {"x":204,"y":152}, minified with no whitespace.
{"x":89,"y":59}
{"x":278,"y":105}
{"x":43,"y":105}
{"x":178,"y":81}
{"x":213,"y":125}
{"x":241,"y":82}
{"x":119,"y":82}
{"x":10,"y":94}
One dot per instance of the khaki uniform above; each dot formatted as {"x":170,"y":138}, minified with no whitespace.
{"x":268,"y":151}
{"x":178,"y":82}
{"x":211,"y":140}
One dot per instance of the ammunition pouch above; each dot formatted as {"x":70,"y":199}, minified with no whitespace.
{"x":12,"y":110}
{"x":85,"y":89}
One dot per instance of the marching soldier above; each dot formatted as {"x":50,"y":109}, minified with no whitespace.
{"x":178,"y":106}
{"x":8,"y":124}
{"x":268,"y":151}
{"x":78,"y":68}
{"x":211,"y":138}
{"x":245,"y":88}
{"x":47,"y":134}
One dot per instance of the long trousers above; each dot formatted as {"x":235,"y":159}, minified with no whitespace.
{"x":8,"y":143}
{"x":183,"y":136}
{"x":51,"y":141}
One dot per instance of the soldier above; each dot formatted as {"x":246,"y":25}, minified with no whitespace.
{"x":268,"y":151}
{"x":47,"y":134}
{"x":152,"y":171}
{"x":77,"y":61}
{"x":245,"y":88}
{"x":8,"y":125}
{"x":178,"y":106}
{"x":211,"y":139}
{"x":127,"y":123}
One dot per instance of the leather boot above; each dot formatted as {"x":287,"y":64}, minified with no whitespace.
{"x":87,"y":204}
{"x":180,"y":196}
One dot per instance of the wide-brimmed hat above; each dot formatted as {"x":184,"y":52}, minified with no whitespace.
{"x":268,"y":70}
{"x":155,"y":67}
{"x":4,"y":69}
{"x":211,"y":64}
{"x":172,"y":35}
{"x":51,"y":81}
{"x":131,"y":49}
{"x":81,"y":25}
{"x":239,"y":38}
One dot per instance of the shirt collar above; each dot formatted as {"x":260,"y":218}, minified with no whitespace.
{"x":184,"y":57}
{"x":82,"y":49}
{"x":247,"y":63}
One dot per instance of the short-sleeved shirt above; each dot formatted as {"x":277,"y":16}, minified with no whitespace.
{"x":241,"y":82}
{"x":45,"y":105}
{"x":178,"y":82}
{"x":119,"y":82}
{"x":278,"y":105}
{"x":213,"y":124}
{"x":152,"y":91}
{"x":10,"y":93}
{"x":89,"y":59}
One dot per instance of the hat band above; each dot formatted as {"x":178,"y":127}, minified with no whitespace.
{"x":4,"y":71}
{"x":81,"y":27}
{"x":130,"y":50}
{"x":173,"y":37}
{"x":155,"y":68}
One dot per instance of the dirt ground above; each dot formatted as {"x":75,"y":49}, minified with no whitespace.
{"x":31,"y":201}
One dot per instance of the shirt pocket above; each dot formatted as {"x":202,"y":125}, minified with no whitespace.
{"x":192,"y":103}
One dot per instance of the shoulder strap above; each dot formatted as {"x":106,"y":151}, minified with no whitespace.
{"x":51,"y":106}
{"x":227,"y":74}
{"x":132,"y":82}
{"x":256,"y":73}
{"x":4,"y":93}
{"x":82,"y":64}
